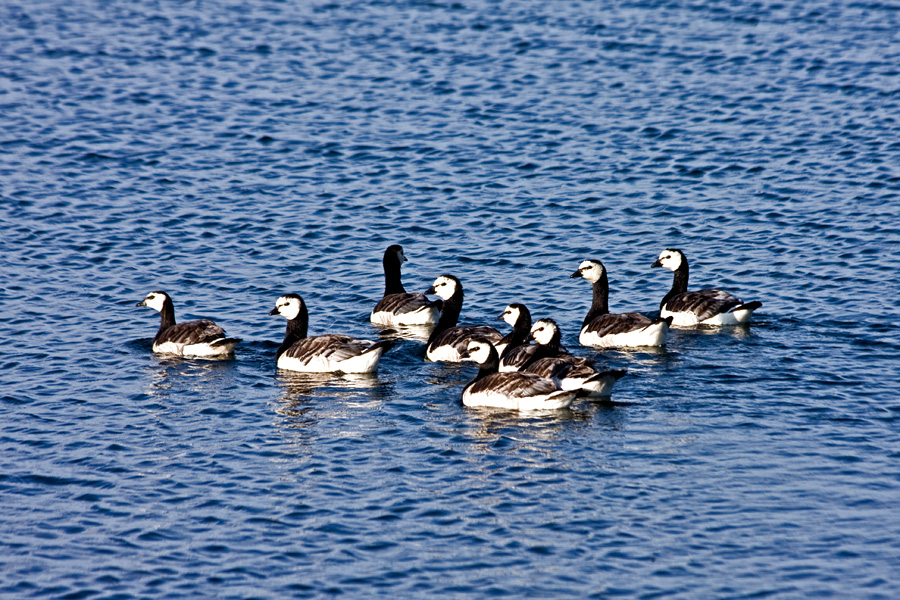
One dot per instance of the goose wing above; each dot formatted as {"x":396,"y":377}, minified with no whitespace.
{"x":513,"y":385}
{"x":703,"y":303}
{"x":191,"y":332}
{"x":516,"y":358}
{"x":332,"y":347}
{"x":554,"y":366}
{"x":399,"y":304}
{"x":612,"y":324}
{"x":459,"y":337}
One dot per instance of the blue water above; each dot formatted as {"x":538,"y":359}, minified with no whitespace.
{"x":229,"y":152}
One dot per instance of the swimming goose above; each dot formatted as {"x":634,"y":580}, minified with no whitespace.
{"x":398,"y":307}
{"x":701,"y":307}
{"x":603,"y":329}
{"x":201,"y":338}
{"x":516,"y":391}
{"x":518,"y":351}
{"x":519,"y":317}
{"x":570,"y":372}
{"x":447,"y":341}
{"x":323,"y":353}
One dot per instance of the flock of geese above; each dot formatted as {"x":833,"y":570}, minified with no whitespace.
{"x":513,"y":372}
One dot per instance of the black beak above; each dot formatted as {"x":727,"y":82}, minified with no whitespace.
{"x":464,"y":354}
{"x":656,"y":264}
{"x":429,"y":290}
{"x":274,"y":311}
{"x":500,"y":318}
{"x":141,"y":303}
{"x":575,"y":274}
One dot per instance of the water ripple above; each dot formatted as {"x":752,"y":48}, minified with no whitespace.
{"x":232,"y":153}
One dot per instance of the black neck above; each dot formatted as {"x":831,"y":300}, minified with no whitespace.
{"x":521,"y":331}
{"x":679,"y":282}
{"x":449,"y":314}
{"x":600,"y":305}
{"x":166,"y":315}
{"x":392,"y":283}
{"x":555,"y":343}
{"x":296,"y":330}
{"x":490,"y":366}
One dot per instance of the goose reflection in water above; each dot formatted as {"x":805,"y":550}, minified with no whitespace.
{"x":364,"y":389}
{"x":308,"y":398}
{"x":416,"y":333}
{"x":494,"y":425}
{"x":176,"y":374}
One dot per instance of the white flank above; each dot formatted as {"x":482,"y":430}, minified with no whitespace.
{"x":553,"y":401}
{"x":363,"y":363}
{"x":599,"y":388}
{"x":427,"y":315}
{"x":654,"y":334}
{"x":443,"y":353}
{"x":689,"y":319}
{"x":196,"y":350}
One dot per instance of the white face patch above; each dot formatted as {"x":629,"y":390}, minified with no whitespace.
{"x":288,"y":308}
{"x":670,"y":259}
{"x":155,"y":300}
{"x":478,"y":352}
{"x":444,"y":287}
{"x":543,"y":331}
{"x":511,"y":315}
{"x":400,"y":256}
{"x":591,"y":270}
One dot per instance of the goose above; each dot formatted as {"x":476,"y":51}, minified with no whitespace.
{"x":331,"y":353}
{"x":701,"y":307}
{"x":519,"y":317}
{"x":514,"y":349}
{"x":603,"y":329}
{"x":447,"y":341}
{"x":201,"y":338}
{"x":515,"y":391}
{"x":570,"y":372}
{"x":398,"y":307}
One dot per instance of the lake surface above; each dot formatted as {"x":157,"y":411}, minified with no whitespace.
{"x":230,"y":152}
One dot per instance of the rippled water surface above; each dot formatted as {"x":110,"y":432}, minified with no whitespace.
{"x":229,"y":152}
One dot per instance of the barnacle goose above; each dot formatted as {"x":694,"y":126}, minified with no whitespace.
{"x":570,"y":372}
{"x":447,"y":341}
{"x":323,"y":353}
{"x":603,"y":329}
{"x":519,"y":317}
{"x":201,"y":338}
{"x":516,"y":391}
{"x":398,"y":307}
{"x":517,"y":352}
{"x":701,"y":307}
